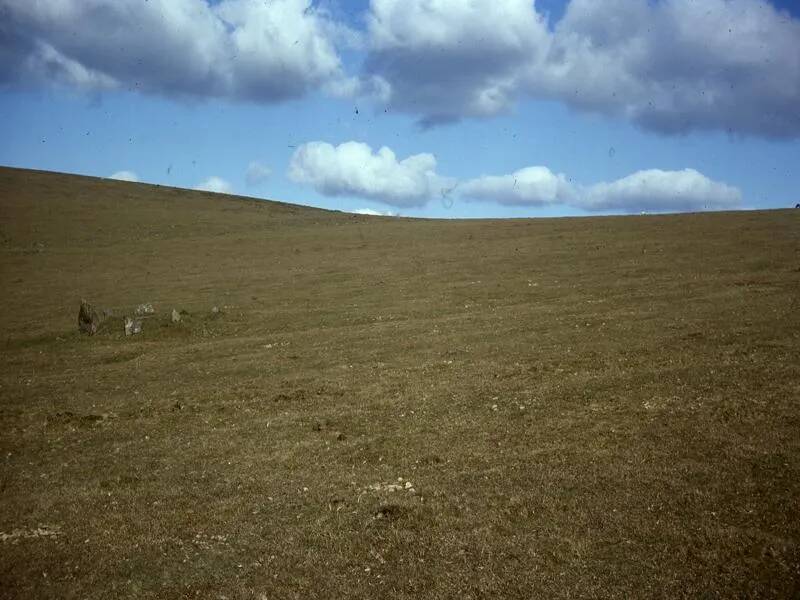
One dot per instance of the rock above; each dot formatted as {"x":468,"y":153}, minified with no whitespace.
{"x":176,"y":316}
{"x":340,"y":436}
{"x":215,"y":310}
{"x":90,"y":319}
{"x":133,"y":326}
{"x":145,"y":309}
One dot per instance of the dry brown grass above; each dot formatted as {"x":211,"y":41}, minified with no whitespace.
{"x":594,"y":408}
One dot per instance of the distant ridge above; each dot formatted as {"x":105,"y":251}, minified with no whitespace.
{"x":37,"y":177}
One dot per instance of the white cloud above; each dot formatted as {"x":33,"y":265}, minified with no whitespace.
{"x":352,"y":168}
{"x":215,"y":184}
{"x":261,"y":51}
{"x":374,"y":213}
{"x":656,"y":190}
{"x":670,"y":66}
{"x":531,"y":186}
{"x":125,"y":176}
{"x":651,"y":190}
{"x":257,"y":173}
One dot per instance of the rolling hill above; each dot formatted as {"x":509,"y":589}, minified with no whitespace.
{"x":389,"y":407}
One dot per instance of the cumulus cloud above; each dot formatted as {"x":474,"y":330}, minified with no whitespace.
{"x":353,"y":169}
{"x":651,"y":190}
{"x":658,"y":191}
{"x":671,"y":66}
{"x":257,"y":173}
{"x":215,"y":184}
{"x":531,"y":186}
{"x":125,"y":176}
{"x":677,"y":65}
{"x":244,"y":49}
{"x":450,"y":58}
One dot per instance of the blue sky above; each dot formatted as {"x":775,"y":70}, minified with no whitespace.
{"x":485,"y":108}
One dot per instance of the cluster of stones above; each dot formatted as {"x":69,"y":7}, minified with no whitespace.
{"x":90,"y":318}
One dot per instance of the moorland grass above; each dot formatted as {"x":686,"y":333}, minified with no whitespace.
{"x":584,"y":408}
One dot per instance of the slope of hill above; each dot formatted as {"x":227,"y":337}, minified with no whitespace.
{"x":599,"y":407}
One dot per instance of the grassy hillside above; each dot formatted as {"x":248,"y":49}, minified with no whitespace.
{"x":600,"y":407}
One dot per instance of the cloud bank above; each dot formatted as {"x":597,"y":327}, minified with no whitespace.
{"x":651,"y":190}
{"x":671,"y":66}
{"x":353,"y":169}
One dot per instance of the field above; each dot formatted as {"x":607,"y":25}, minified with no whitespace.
{"x":578,"y":408}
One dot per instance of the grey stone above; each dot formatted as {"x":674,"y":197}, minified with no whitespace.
{"x":90,"y":319}
{"x":176,"y":316}
{"x":133,"y":326}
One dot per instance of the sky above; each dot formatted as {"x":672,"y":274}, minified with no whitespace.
{"x":423,"y":108}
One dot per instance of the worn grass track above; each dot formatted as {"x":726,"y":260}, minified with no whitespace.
{"x":594,"y":408}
